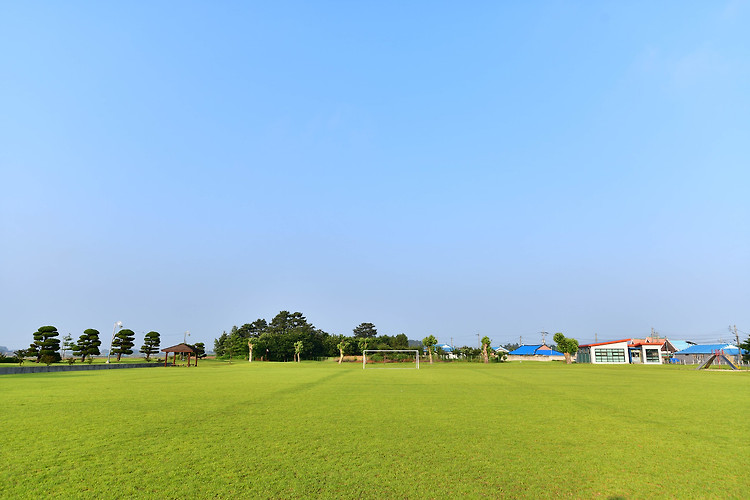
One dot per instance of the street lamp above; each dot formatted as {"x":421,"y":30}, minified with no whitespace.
{"x":118,"y":326}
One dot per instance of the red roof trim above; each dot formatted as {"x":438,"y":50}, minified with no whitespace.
{"x":605,"y":343}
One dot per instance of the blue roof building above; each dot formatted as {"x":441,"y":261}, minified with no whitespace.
{"x":678,"y":345}
{"x":729,"y":349}
{"x":535,"y":350}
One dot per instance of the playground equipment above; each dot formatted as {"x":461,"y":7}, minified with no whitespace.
{"x":718,"y":354}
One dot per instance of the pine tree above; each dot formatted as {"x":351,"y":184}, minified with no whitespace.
{"x":150,"y":344}
{"x":123,"y":343}
{"x":49,"y":345}
{"x":87,"y":345}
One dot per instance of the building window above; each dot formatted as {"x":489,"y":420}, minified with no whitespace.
{"x":609,"y":355}
{"x":584,"y":356}
{"x":652,"y":355}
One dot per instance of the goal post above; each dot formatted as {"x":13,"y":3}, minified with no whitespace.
{"x":393,"y":357}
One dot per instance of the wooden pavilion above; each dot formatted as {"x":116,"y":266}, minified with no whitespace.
{"x":181,"y":348}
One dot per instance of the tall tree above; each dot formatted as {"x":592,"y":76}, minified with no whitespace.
{"x":49,"y":345}
{"x":151,"y":343}
{"x":485,"y":348}
{"x":234,"y":345}
{"x":401,"y":341}
{"x":123,"y":343}
{"x":88,"y":344}
{"x":566,"y":346}
{"x":220,"y":344}
{"x":429,"y":342}
{"x":285,"y":321}
{"x":254,"y":329}
{"x":365,"y":330}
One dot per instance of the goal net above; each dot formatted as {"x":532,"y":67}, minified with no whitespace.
{"x":390,"y":358}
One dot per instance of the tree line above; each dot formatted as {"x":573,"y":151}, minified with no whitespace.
{"x":289,"y":336}
{"x":47,"y":347}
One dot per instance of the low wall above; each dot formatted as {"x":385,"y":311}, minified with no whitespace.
{"x":12,"y":370}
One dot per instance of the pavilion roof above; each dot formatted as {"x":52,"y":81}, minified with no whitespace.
{"x":182,"y":347}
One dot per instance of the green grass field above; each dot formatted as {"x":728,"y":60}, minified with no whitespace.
{"x":322,"y":430}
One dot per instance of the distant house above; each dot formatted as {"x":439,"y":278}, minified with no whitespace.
{"x":448,"y":351}
{"x":539,"y":352}
{"x":674,"y":346}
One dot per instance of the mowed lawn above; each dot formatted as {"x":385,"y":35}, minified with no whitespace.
{"x":280,"y":430}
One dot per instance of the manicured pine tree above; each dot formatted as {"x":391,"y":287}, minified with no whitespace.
{"x":123,"y":343}
{"x":150,"y":344}
{"x":200,"y":350}
{"x":49,"y":345}
{"x":87,"y":345}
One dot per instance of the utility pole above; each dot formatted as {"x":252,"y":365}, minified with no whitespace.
{"x":544,"y":334}
{"x":596,"y":338}
{"x":739,"y":349}
{"x":478,"y":342}
{"x":520,"y":340}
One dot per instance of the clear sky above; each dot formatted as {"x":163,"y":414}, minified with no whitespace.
{"x":445,"y":168}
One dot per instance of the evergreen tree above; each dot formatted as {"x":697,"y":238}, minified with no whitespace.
{"x":365,"y":330}
{"x":48,"y":343}
{"x":123,"y":343}
{"x":87,"y":345}
{"x":220,"y":344}
{"x":401,"y":341}
{"x":200,"y":350}
{"x":150,"y":344}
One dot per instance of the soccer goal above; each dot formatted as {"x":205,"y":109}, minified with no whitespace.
{"x":390,"y":358}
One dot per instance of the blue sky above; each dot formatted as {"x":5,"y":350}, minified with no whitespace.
{"x":433,"y":168}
